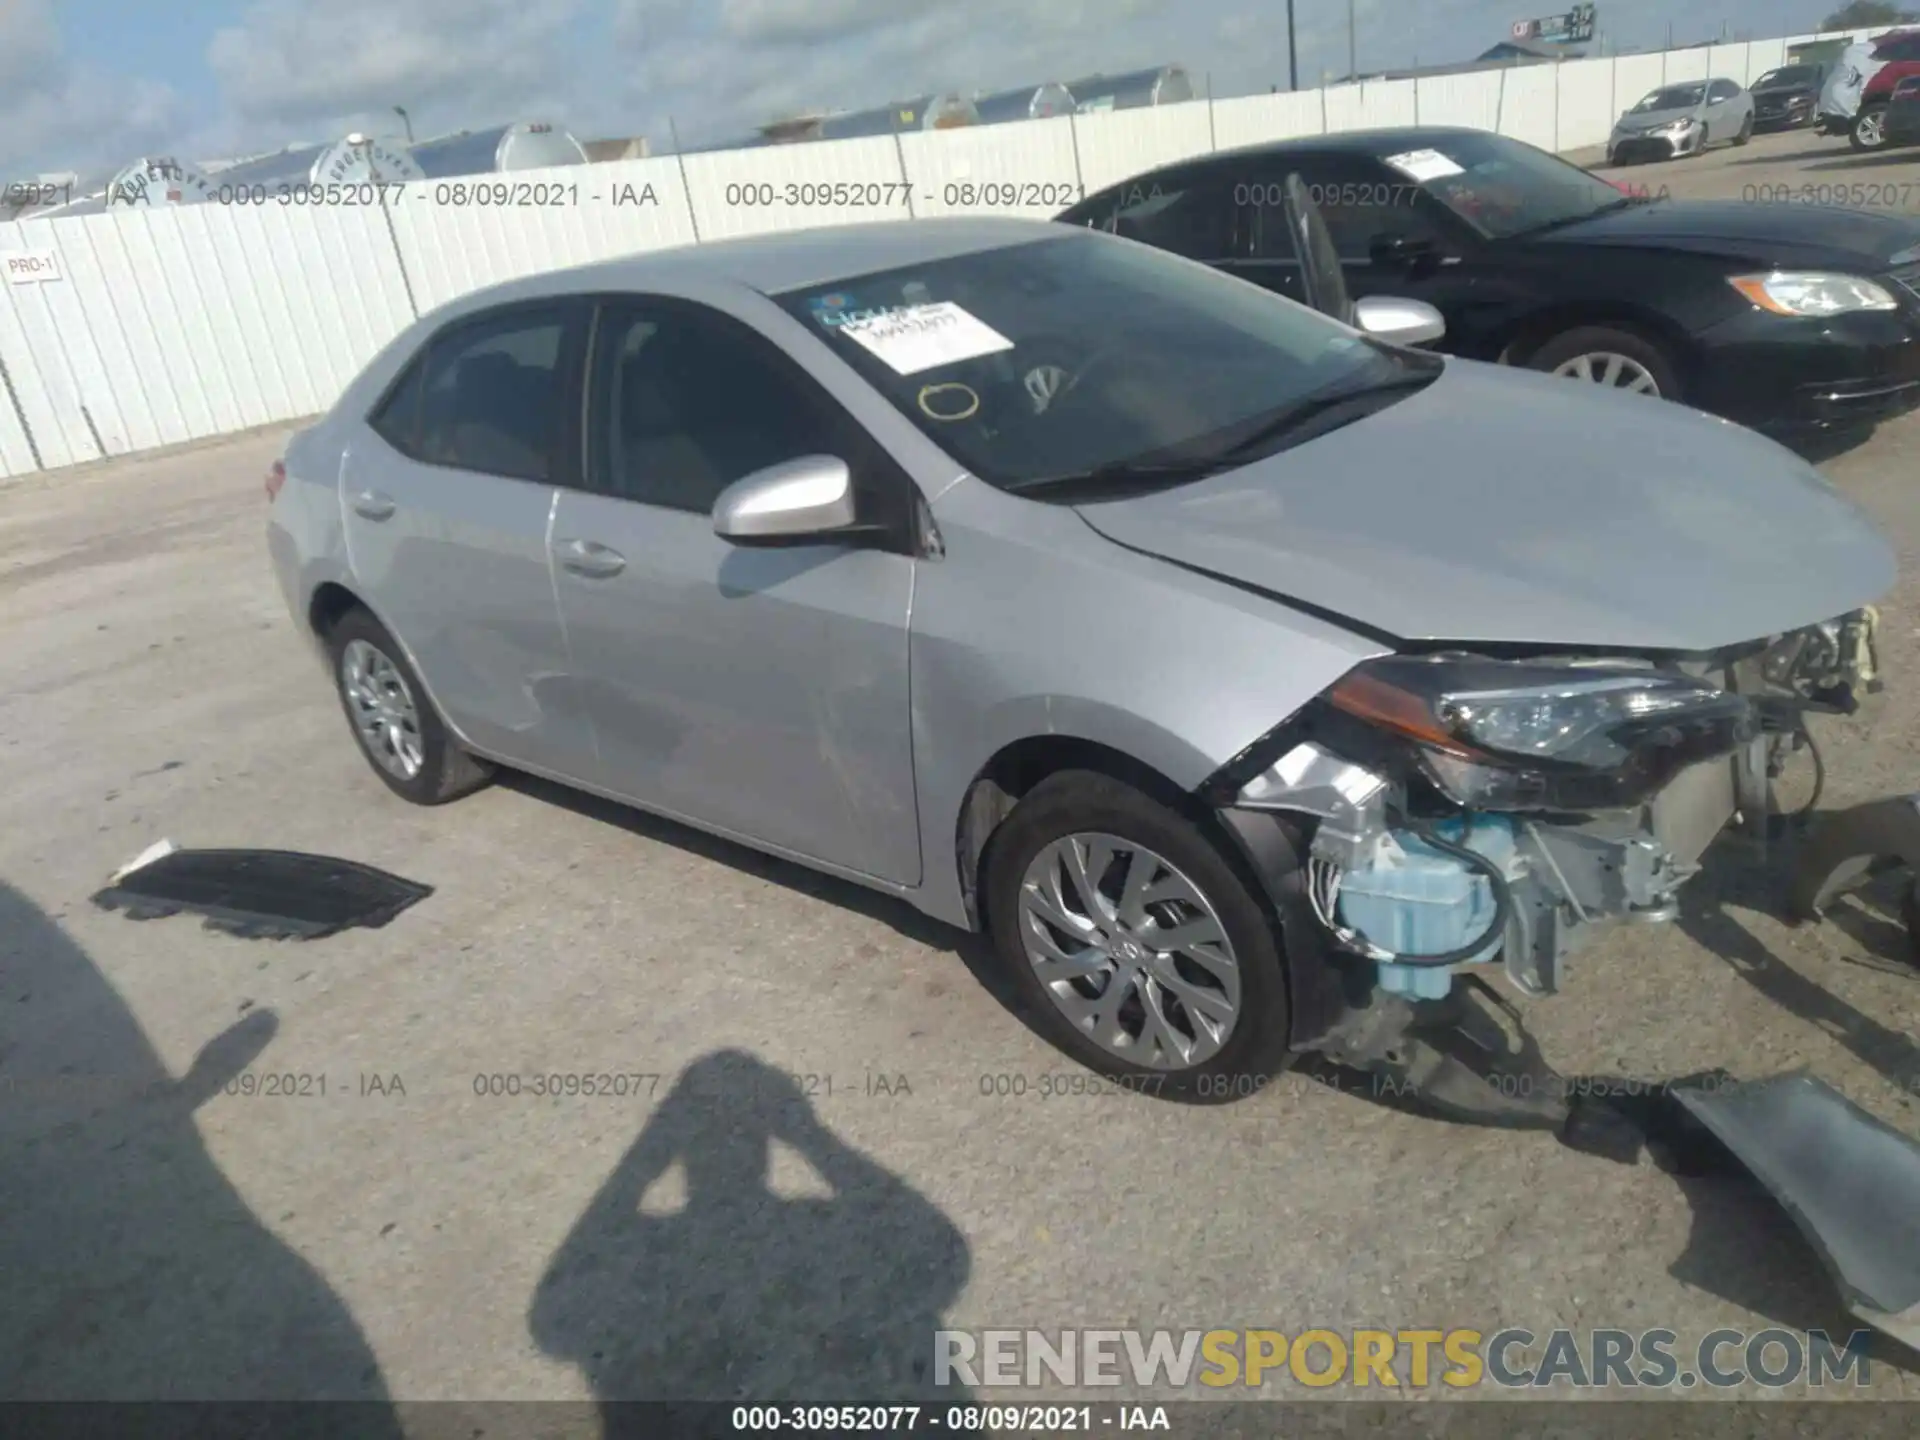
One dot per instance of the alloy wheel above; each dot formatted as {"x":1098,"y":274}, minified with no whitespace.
{"x":1869,"y":130}
{"x":1607,"y":367}
{"x":1130,"y":951}
{"x":383,"y":709}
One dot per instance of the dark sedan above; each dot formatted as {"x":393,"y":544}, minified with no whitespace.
{"x":1782,"y":317}
{"x":1788,"y":98}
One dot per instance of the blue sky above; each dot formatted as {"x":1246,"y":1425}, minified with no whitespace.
{"x":86,"y":84}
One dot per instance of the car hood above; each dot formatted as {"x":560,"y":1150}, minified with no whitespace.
{"x":1653,"y":119}
{"x":1763,"y":233}
{"x":1499,"y":506}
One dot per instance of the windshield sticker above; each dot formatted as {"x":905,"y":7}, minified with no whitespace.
{"x":923,"y":337}
{"x":1424,"y":165}
{"x":962,"y":402}
{"x":833,"y":311}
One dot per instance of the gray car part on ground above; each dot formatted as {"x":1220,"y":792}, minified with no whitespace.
{"x":1849,"y":1181}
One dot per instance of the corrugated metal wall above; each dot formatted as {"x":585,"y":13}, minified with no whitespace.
{"x":178,"y":323}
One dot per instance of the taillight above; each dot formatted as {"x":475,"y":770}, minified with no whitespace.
{"x":276,"y":477}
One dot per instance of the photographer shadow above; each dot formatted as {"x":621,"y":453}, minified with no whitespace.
{"x":688,"y":1278}
{"x":130,"y":1267}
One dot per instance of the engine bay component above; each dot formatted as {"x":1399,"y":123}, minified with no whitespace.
{"x":1414,"y":900}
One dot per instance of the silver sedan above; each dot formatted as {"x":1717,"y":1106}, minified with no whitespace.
{"x":1223,"y":662}
{"x":1683,"y":119}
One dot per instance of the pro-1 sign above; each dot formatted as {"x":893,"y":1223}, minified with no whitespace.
{"x":29,"y":267}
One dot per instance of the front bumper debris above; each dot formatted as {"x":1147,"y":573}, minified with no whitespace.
{"x":1847,"y":848}
{"x":1850,"y":1183}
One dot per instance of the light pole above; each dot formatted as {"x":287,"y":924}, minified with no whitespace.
{"x":1353,"y":63}
{"x":1293,"y":57}
{"x":405,"y":120}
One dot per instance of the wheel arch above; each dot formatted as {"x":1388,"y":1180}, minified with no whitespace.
{"x":331,"y":599}
{"x":1518,"y":344}
{"x":1015,"y":769}
{"x":1263,"y":850}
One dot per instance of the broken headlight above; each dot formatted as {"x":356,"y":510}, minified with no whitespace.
{"x":1508,"y":735}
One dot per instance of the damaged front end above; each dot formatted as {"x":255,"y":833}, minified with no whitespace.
{"x":1454,"y":819}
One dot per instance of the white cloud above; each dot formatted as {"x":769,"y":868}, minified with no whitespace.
{"x":57,"y":114}
{"x":322,"y":68}
{"x":314,"y":69}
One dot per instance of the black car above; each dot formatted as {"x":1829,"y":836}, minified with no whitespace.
{"x":1788,"y":98}
{"x":1784,"y":317}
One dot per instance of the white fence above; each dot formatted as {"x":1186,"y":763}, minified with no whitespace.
{"x":177,"y":323}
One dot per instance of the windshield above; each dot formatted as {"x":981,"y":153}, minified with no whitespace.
{"x":1505,"y":187}
{"x":1787,"y":75}
{"x":1080,"y":353}
{"x":1672,"y":97}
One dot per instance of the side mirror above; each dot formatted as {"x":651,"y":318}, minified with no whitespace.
{"x":1399,"y":322}
{"x":797,"y":502}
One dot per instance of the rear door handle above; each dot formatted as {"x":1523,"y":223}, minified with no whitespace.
{"x":373,"y":505}
{"x":583,"y":557}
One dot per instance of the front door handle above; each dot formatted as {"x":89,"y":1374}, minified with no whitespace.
{"x":373,"y":505}
{"x":583,"y":557}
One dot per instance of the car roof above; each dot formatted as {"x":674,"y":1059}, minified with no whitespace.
{"x":777,"y":261}
{"x":1342,"y":142}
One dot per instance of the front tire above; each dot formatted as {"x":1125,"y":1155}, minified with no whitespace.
{"x":1611,"y":356}
{"x":1136,"y":944}
{"x":398,"y":730}
{"x":1869,"y":131}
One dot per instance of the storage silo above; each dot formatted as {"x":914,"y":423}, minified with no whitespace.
{"x":1029,"y":103}
{"x":263,"y":175}
{"x":1166,"y":85}
{"x":157,"y":180}
{"x":931,"y":112}
{"x":522,"y":146}
{"x":363,"y":160}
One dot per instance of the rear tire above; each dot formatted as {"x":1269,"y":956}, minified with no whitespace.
{"x":1746,"y":131}
{"x":1232,"y":1017}
{"x":399,"y":732}
{"x":1598,"y":346}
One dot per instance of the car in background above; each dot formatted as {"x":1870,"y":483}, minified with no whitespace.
{"x":1854,"y":100}
{"x":1682,"y":119}
{"x":1787,"y":318}
{"x":1787,"y":98}
{"x":1902,"y":125}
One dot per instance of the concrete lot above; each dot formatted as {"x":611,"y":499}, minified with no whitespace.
{"x":160,"y":1235}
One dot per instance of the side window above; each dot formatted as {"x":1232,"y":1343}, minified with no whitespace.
{"x":687,"y":400}
{"x":397,"y":418}
{"x":1361,"y":201}
{"x":1191,"y":217}
{"x":493,"y":394}
{"x":1723,"y":90}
